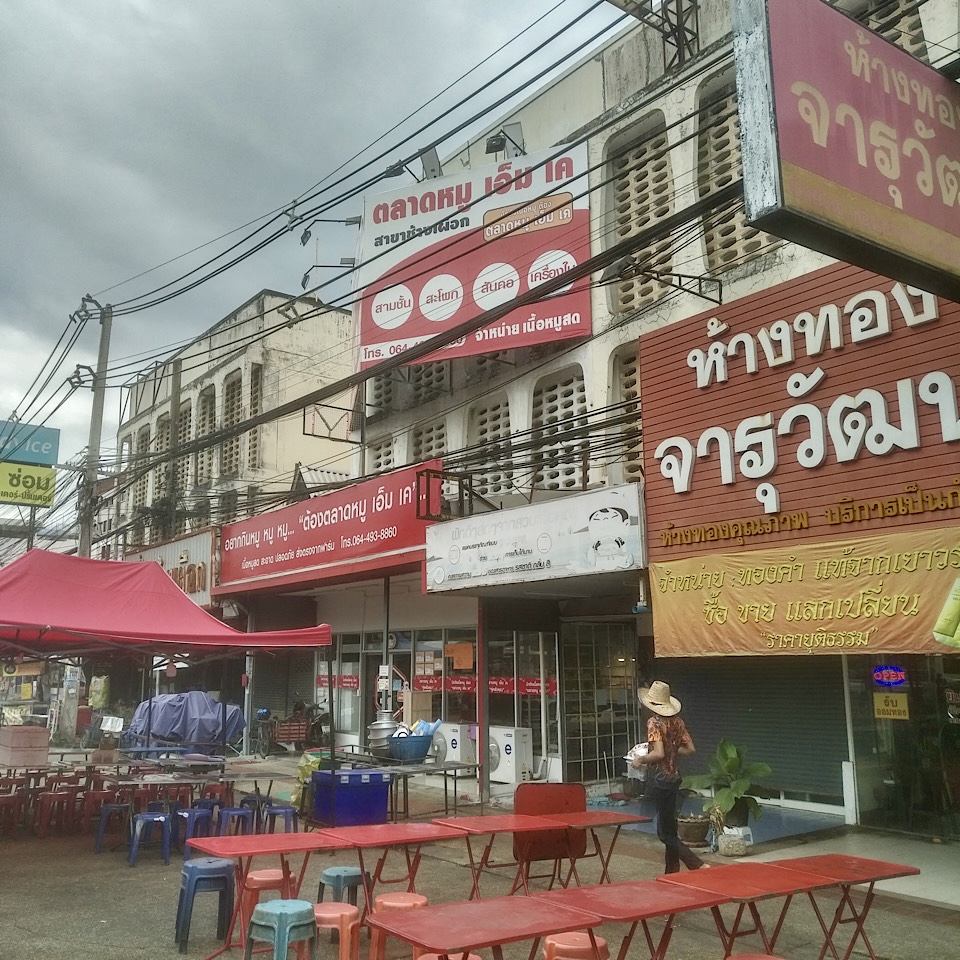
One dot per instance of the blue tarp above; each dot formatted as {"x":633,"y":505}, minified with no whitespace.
{"x":193,"y":719}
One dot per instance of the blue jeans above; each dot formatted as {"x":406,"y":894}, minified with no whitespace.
{"x":665,"y":794}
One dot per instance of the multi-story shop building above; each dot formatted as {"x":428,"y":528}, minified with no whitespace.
{"x":505,"y":582}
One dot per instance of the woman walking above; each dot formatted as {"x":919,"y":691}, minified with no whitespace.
{"x":668,"y":739}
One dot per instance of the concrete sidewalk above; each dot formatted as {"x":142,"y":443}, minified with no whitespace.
{"x":60,"y":901}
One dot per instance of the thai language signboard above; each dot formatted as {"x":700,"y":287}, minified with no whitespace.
{"x":576,"y":535}
{"x":820,"y":408}
{"x":898,"y":593}
{"x":440,"y":252}
{"x":368,"y":527}
{"x":26,"y":485}
{"x":26,"y":443}
{"x":850,"y":145}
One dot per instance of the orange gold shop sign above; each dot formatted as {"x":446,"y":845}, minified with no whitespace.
{"x":891,"y":706}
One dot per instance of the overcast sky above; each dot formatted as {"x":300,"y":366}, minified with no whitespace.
{"x":135,"y":131}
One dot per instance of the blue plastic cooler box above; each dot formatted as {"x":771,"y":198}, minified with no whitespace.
{"x":344,"y":798}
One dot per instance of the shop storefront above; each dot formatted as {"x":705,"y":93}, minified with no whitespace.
{"x":804,"y":520}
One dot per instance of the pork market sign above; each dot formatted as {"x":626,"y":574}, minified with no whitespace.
{"x":781,"y":432}
{"x":369,"y":527}
{"x":850,"y":145}
{"x":438,"y":253}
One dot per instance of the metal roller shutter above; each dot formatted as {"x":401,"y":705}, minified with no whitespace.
{"x":786,"y":711}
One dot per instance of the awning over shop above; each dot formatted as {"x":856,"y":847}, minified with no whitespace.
{"x":52,"y":603}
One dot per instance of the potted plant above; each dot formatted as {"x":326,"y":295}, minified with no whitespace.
{"x":732,"y":781}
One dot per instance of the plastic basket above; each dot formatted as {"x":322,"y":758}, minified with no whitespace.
{"x":410,"y":749}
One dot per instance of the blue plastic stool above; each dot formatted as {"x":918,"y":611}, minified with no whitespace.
{"x":282,"y":922}
{"x":109,"y":810}
{"x":240,"y":817}
{"x":143,"y":823}
{"x":340,"y":880}
{"x":203,"y":874}
{"x":197,"y":822}
{"x":289,"y":814}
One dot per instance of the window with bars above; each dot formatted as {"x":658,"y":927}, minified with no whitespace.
{"x":626,"y":394}
{"x":206,"y":425}
{"x":642,"y":192}
{"x":561,"y":450}
{"x":380,"y":395}
{"x":489,"y":427}
{"x":142,"y":452}
{"x":427,"y":381}
{"x":729,"y":241}
{"x":256,"y":408}
{"x":184,"y":430}
{"x":430,"y":440}
{"x":380,"y":455}
{"x":232,"y":414}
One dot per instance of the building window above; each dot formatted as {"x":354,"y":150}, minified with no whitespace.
{"x":626,"y":398}
{"x":140,"y":459}
{"x":232,"y":415}
{"x":206,"y":424}
{"x":184,"y":429}
{"x":161,"y":470}
{"x":642,"y":185}
{"x":427,"y":381}
{"x":380,"y":394}
{"x":561,"y":450}
{"x":489,"y":431}
{"x":256,"y":408}
{"x":429,"y":441}
{"x":381,"y":455}
{"x":729,"y":241}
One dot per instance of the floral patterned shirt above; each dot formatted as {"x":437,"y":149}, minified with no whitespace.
{"x":673,"y":732}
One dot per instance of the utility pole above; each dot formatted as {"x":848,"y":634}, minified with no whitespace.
{"x":170,"y":526}
{"x":87,"y":504}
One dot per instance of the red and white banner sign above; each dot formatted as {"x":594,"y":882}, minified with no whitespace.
{"x":440,"y":252}
{"x":368,"y":527}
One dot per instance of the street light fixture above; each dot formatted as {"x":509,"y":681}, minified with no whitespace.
{"x":305,"y":236}
{"x":344,"y":262}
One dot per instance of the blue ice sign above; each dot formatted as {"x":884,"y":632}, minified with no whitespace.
{"x":26,"y":443}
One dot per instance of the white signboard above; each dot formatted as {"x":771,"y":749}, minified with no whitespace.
{"x":573,"y":536}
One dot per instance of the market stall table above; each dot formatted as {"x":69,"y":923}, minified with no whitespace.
{"x":591,"y":820}
{"x":407,"y":836}
{"x":635,"y":902}
{"x":455,"y":929}
{"x":493,"y":824}
{"x":245,"y":847}
{"x":848,"y":871}
{"x":745,"y":884}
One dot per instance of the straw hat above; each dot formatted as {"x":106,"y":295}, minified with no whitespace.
{"x":657,"y":698}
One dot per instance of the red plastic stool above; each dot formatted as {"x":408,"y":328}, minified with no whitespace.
{"x":573,"y":946}
{"x":345,"y":919}
{"x":93,"y":801}
{"x":11,"y":812}
{"x":53,"y":807}
{"x":384,"y":904}
{"x":255,"y":883}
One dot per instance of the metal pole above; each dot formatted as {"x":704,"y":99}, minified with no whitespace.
{"x":387,"y":702}
{"x":31,"y":527}
{"x":91,"y":466}
{"x":171,"y":520}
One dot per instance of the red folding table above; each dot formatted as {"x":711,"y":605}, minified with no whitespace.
{"x":635,"y":902}
{"x":243,"y":848}
{"x":846,"y":871}
{"x":407,"y":836}
{"x":455,"y":929}
{"x":493,"y":824}
{"x":745,"y":884}
{"x":590,"y":820}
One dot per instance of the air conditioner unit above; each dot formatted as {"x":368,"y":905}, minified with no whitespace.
{"x":510,"y":754}
{"x":452,"y":743}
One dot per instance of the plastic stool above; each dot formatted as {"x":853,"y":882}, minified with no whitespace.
{"x":197,"y":822}
{"x":143,"y":823}
{"x":387,"y":902}
{"x":754,"y":956}
{"x":53,"y":806}
{"x":255,"y":882}
{"x":240,"y":817}
{"x":345,"y":919}
{"x":203,"y":874}
{"x":107,"y":812}
{"x":11,"y":812}
{"x":340,"y":880}
{"x":282,"y":922}
{"x":93,"y":801}
{"x":573,"y":946}
{"x":288,"y":813}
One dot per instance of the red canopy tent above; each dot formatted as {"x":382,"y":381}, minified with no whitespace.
{"x":51,"y":603}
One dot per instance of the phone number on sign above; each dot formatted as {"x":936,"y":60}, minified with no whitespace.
{"x":372,"y":536}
